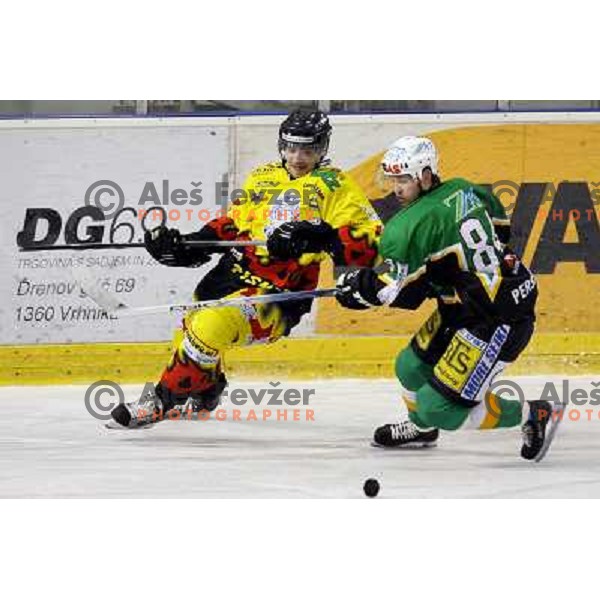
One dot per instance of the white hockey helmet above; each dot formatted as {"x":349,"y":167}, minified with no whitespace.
{"x":409,"y":155}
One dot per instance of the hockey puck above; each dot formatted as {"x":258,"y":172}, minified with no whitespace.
{"x":371,"y":488}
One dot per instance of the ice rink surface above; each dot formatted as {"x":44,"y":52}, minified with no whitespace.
{"x":52,"y":447}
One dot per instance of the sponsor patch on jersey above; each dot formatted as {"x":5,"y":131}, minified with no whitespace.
{"x":469,"y":202}
{"x":311,"y":193}
{"x":485,"y":364}
{"x":468,"y":361}
{"x":265,"y":183}
{"x":460,"y":360}
{"x":465,"y":202}
{"x":428,"y":330}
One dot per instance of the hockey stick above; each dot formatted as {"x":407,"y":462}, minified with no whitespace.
{"x":190,"y":244}
{"x":108,"y":302}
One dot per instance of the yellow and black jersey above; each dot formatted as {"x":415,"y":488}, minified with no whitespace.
{"x":270,"y":197}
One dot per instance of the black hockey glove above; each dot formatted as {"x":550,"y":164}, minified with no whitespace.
{"x":167,"y":246}
{"x":294,"y":238}
{"x":358,"y":289}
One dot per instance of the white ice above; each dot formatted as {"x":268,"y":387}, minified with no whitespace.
{"x":52,"y":447}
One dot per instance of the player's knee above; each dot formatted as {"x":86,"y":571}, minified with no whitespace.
{"x":213,"y":329}
{"x":438,"y":411}
{"x":411,"y":370}
{"x":200,"y":340}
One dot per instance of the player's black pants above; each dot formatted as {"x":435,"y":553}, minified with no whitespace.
{"x":448,"y":369}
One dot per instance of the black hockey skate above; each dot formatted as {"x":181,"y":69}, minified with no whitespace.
{"x":157,"y":404}
{"x":404,"y":435}
{"x":142,"y":413}
{"x":208,"y":399}
{"x":534,"y":429}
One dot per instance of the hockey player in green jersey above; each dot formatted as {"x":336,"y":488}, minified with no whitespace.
{"x":448,"y":241}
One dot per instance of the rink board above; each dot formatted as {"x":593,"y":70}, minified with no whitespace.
{"x":290,"y":358}
{"x":49,"y":333}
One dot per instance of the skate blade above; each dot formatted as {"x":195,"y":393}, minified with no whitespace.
{"x":409,"y":446}
{"x":114,"y":426}
{"x":555,"y":422}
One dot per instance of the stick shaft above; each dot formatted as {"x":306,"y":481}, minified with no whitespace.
{"x":238,"y":301}
{"x":196,"y":243}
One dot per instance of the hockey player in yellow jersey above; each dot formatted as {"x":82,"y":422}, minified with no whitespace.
{"x":306,"y":211}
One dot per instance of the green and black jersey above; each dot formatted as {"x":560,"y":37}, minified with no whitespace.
{"x":451,"y":244}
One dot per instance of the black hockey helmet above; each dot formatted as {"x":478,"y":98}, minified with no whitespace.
{"x":307,"y":128}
